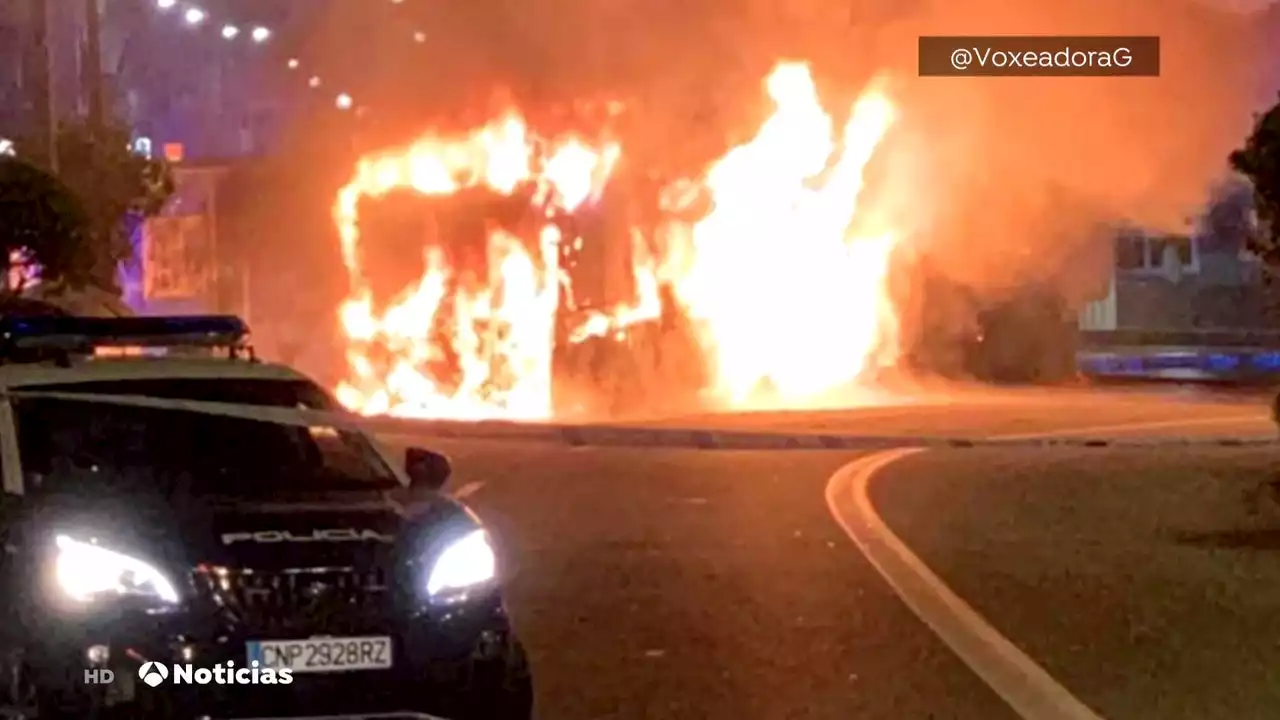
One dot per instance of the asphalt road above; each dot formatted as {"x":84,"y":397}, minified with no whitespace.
{"x":705,"y":584}
{"x":1147,"y":583}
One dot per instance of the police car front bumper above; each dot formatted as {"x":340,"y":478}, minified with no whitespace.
{"x":466,"y":663}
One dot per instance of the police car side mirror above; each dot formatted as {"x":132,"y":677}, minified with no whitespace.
{"x":427,"y":470}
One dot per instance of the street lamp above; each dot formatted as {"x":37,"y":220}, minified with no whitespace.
{"x":343,"y":101}
{"x":261,"y":34}
{"x":166,"y":4}
{"x":194,"y":16}
{"x":230,"y":31}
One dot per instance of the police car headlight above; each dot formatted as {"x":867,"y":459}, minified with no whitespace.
{"x":464,"y":565}
{"x":85,"y":571}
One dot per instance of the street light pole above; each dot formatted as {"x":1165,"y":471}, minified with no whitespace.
{"x":40,"y":75}
{"x":93,"y":64}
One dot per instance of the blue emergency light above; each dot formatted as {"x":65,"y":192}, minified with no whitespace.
{"x":85,"y":334}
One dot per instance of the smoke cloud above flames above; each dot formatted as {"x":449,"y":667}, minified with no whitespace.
{"x":1011,"y":175}
{"x":1019,"y":172}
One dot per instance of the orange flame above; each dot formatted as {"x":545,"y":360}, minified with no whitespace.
{"x":784,"y":282}
{"x":504,"y":334}
{"x":789,"y":296}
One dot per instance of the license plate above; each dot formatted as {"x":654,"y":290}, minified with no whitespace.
{"x":319,"y":655}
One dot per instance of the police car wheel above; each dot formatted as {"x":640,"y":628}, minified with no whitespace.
{"x":23,"y":696}
{"x":512,"y":702}
{"x":18,"y":697}
{"x":58,"y":705}
{"x":507,"y":694}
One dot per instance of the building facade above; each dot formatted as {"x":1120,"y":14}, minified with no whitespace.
{"x":1202,"y":278}
{"x":195,"y":91}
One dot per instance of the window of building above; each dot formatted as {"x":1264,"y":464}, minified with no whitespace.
{"x":1145,"y":254}
{"x":1131,"y":252}
{"x":1157,"y":247}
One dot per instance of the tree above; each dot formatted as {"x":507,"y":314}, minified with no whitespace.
{"x":1259,"y":161}
{"x":39,"y":216}
{"x":110,"y":184}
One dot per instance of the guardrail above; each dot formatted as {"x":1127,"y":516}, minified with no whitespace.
{"x":1215,"y":356}
{"x":1255,"y":366}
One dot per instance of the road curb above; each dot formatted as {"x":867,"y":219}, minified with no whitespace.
{"x":724,"y":440}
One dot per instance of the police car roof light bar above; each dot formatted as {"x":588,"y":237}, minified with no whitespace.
{"x":83,"y":334}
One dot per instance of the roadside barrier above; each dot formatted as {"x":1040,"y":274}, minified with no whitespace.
{"x":1185,"y":364}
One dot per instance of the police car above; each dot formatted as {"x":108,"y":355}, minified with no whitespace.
{"x":189,"y":532}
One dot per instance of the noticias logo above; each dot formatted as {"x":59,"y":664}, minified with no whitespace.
{"x":154,"y":673}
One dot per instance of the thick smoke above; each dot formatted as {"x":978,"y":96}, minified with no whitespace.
{"x":1006,"y":178}
{"x":1018,"y":177}
{"x":1000,"y":182}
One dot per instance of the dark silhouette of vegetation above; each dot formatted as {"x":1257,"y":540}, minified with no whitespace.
{"x":73,"y":223}
{"x":40,"y":218}
{"x":1259,"y":161}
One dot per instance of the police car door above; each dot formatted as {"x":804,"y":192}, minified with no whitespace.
{"x":10,"y":505}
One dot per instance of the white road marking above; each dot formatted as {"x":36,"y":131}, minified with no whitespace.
{"x":1023,"y":684}
{"x":468,"y":489}
{"x":1011,"y":673}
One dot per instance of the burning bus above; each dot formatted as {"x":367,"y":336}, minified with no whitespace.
{"x":762,"y":274}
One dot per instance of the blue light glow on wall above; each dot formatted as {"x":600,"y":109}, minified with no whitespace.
{"x":130,"y":273}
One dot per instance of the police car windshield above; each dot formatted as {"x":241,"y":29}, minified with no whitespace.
{"x":69,"y":446}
